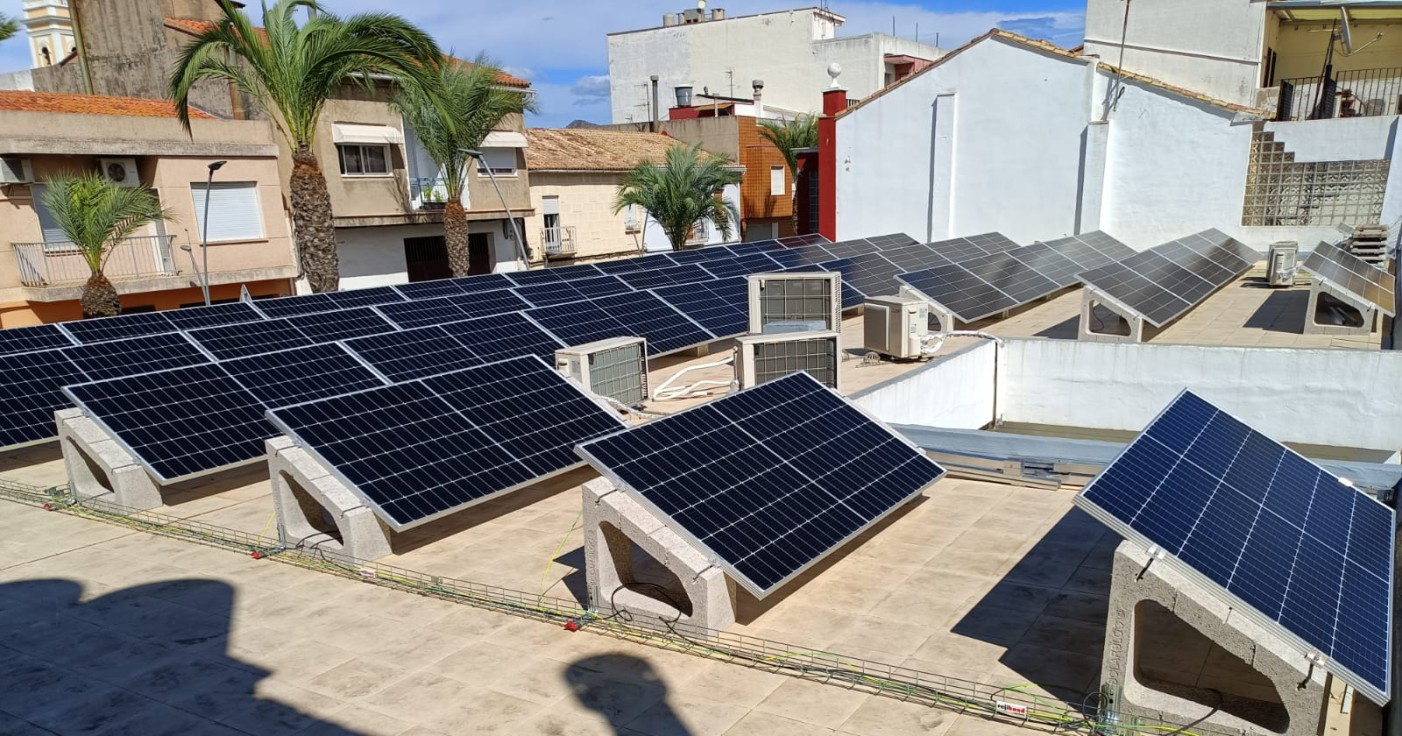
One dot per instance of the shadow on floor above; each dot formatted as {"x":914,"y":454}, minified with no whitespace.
{"x":627,"y":692}
{"x":1049,"y":610}
{"x":1282,"y":311}
{"x":148,"y":660}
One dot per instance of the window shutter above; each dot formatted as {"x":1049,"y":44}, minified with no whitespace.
{"x":234,"y":212}
{"x":52,"y":232}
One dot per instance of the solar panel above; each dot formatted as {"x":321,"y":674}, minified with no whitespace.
{"x":1048,"y":263}
{"x":301,"y":374}
{"x":1122,"y":284}
{"x":289,"y":306}
{"x":637,"y":263}
{"x":192,"y":318}
{"x":538,"y":276}
{"x":452,"y":308}
{"x":135,"y":355}
{"x":250,"y":338}
{"x":914,"y":257}
{"x":700,"y":255}
{"x":1307,"y":555}
{"x":850,"y":248}
{"x":29,"y":339}
{"x":410,"y":354}
{"x":993,"y":242}
{"x":966,"y":296}
{"x":483,"y":282}
{"x":352,"y":298}
{"x":179,"y":423}
{"x":341,"y":325}
{"x":894,"y":240}
{"x":578,"y":323}
{"x":957,"y":249}
{"x":103,"y":329}
{"x":1164,"y":282}
{"x":644,"y":315}
{"x":851,"y":295}
{"x":431,"y":289}
{"x":796,"y":241}
{"x":767,"y":481}
{"x":1348,"y":272}
{"x":1226,"y":242}
{"x":1106,"y":245}
{"x":719,"y":306}
{"x":573,"y":290}
{"x":1170,"y":277}
{"x":30,"y":392}
{"x":721,"y":268}
{"x":653,"y":278}
{"x":740,"y":250}
{"x":499,"y":336}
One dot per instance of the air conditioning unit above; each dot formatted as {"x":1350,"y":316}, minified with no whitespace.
{"x":1280,"y":263}
{"x":763,"y":358}
{"x":15,"y":170}
{"x":120,"y":171}
{"x":793,"y":302}
{"x":896,"y":325}
{"x":616,"y":368}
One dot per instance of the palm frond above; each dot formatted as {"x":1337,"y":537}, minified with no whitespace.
{"x":682,"y":190}
{"x":8,"y":26}
{"x":96,"y":214}
{"x":791,"y":135}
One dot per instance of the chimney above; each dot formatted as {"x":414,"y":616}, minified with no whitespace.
{"x":652,"y":126}
{"x":759,"y":97}
{"x":834,"y":102}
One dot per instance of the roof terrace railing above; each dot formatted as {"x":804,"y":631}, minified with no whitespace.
{"x":61,"y":263}
{"x":1347,"y":94}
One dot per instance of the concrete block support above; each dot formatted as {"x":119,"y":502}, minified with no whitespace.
{"x":100,"y":467}
{"x":613,"y":522}
{"x":1302,"y":691}
{"x":315,"y":509}
{"x":1093,"y":327}
{"x":1368,"y":313}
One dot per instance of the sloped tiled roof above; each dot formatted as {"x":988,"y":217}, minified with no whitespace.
{"x":585,"y":149}
{"x":57,"y":102}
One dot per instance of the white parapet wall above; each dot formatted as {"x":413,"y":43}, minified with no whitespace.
{"x":955,"y":392}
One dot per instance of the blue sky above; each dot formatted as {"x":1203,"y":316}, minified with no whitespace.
{"x":560,"y":44}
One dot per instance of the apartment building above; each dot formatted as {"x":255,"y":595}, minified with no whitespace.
{"x":133,"y":142}
{"x":575,"y":175}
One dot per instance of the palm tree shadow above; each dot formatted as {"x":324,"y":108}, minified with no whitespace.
{"x":627,"y":692}
{"x":149,"y":659}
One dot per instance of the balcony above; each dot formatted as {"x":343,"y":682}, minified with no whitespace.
{"x":428,"y":193}
{"x":558,"y":242}
{"x":1370,"y":93}
{"x":57,"y":264}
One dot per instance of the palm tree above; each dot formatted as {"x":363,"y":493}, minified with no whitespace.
{"x":97,"y":215}
{"x":682,"y":191}
{"x":8,"y":26}
{"x":464,"y":104}
{"x":291,"y":71}
{"x":789,"y":136}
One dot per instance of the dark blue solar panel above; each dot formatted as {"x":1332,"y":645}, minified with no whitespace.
{"x":483,"y":282}
{"x":1303,"y":549}
{"x":88,"y":331}
{"x":573,"y":290}
{"x":180,"y":423}
{"x":703,"y":255}
{"x":341,"y":325}
{"x":537,"y":276}
{"x":192,"y":318}
{"x":852,"y":296}
{"x":501,"y":336}
{"x":30,"y":339}
{"x":644,"y":315}
{"x":289,"y":306}
{"x":135,"y":355}
{"x":668,"y":276}
{"x":452,"y":308}
{"x":410,"y":354}
{"x":431,"y":289}
{"x":250,"y":338}
{"x":351,"y":298}
{"x":719,"y":306}
{"x":578,"y":323}
{"x":301,"y":374}
{"x":30,"y":393}
{"x":640,"y":263}
{"x":770,"y":479}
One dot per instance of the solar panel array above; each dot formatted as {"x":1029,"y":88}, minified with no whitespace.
{"x":417,"y":450}
{"x":1164,"y":282}
{"x":1343,"y":270}
{"x":1311,"y":556}
{"x":768,"y":480}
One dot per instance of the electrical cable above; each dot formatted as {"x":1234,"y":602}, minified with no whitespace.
{"x":550,"y":563}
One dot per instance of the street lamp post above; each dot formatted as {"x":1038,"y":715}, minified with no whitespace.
{"x":204,"y":231}
{"x":520,"y":243}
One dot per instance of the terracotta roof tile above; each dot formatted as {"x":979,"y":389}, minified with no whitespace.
{"x":583,"y":149}
{"x":57,"y":102}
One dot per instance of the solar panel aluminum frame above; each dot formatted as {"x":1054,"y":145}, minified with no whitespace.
{"x":1260,"y":619}
{"x":1341,"y":291}
{"x":907,"y":290}
{"x":375,"y":507}
{"x":1119,"y":306}
{"x":583,"y":451}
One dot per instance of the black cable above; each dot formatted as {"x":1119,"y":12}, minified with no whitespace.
{"x":1194,"y":724}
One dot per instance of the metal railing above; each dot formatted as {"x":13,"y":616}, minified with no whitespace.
{"x":558,"y":241}
{"x":55,"y":264}
{"x":1348,"y":94}
{"x":428,"y":193}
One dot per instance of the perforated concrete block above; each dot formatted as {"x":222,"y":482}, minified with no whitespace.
{"x":100,"y":467}
{"x":613,"y":520}
{"x":310,"y":501}
{"x":1311,"y":327}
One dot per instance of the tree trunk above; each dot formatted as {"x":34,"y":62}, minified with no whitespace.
{"x":678,"y":237}
{"x":455,"y":235}
{"x":99,"y":297}
{"x":312,"y":223}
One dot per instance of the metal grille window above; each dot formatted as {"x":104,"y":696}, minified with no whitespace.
{"x":1283,"y":192}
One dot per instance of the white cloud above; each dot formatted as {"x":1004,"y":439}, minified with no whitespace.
{"x":592,"y":89}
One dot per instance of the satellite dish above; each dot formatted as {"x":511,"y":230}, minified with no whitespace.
{"x":1345,"y":31}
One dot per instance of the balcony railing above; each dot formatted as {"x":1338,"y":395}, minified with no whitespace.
{"x":1358,"y":93}
{"x":56,"y":264}
{"x":428,"y":193}
{"x":558,"y":241}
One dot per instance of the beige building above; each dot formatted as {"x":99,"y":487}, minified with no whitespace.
{"x":135,"y":141}
{"x":50,"y":31}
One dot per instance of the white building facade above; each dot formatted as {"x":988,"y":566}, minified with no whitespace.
{"x":720,"y":55}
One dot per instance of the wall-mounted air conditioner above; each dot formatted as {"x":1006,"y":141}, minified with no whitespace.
{"x":895,"y":325}
{"x":616,"y":368}
{"x":762,"y":358}
{"x":120,"y":171}
{"x":15,"y":170}
{"x":795,"y":302}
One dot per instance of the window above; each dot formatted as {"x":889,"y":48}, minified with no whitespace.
{"x":776,"y":181}
{"x":362,"y":160}
{"x":1282,"y":192}
{"x":235,"y":212}
{"x":501,"y":161}
{"x":630,"y":218}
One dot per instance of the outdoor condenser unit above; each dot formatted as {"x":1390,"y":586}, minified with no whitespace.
{"x":761,"y":358}
{"x":1280,"y":263}
{"x":795,"y":302}
{"x":895,"y":325}
{"x":616,"y":368}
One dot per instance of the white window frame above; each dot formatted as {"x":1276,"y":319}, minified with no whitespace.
{"x":252,"y":219}
{"x":341,"y":160}
{"x":776,"y":177}
{"x":500,"y":155}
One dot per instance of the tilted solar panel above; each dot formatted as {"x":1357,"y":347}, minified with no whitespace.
{"x":103,"y":329}
{"x":767,"y":481}
{"x":483,"y":282}
{"x":500,"y":336}
{"x":352,"y":298}
{"x":452,"y":308}
{"x":894,"y":240}
{"x":670,"y":276}
{"x":1309,"y":556}
{"x":966,"y":296}
{"x":415,"y":353}
{"x":33,"y":338}
{"x":628,"y":265}
{"x":1121,"y":283}
{"x":850,"y":248}
{"x":191,"y":318}
{"x":432,"y":289}
{"x":289,"y":306}
{"x":1348,"y":272}
{"x":343,"y":324}
{"x":250,"y":338}
{"x":642,"y":314}
{"x":796,"y":241}
{"x":135,"y":355}
{"x":573,"y":290}
{"x":1047,"y":262}
{"x":301,"y":374}
{"x":30,"y":392}
{"x":718,"y":306}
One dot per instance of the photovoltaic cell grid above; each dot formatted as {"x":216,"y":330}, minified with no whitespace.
{"x":301,"y":374}
{"x":720,"y":306}
{"x":134,"y":355}
{"x":88,"y":331}
{"x":31,"y":391}
{"x":341,"y":325}
{"x":1343,"y":270}
{"x":452,"y":308}
{"x":426,"y":351}
{"x":1300,"y":548}
{"x":250,"y":338}
{"x":768,"y":480}
{"x":1164,"y":282}
{"x":418,"y":450}
{"x":30,"y":339}
{"x":543,"y":295}
{"x":637,"y":314}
